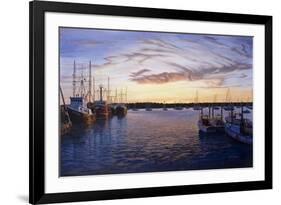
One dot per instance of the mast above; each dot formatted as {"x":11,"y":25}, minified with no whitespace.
{"x":74,"y":79}
{"x":116,"y":97}
{"x":94,"y":90}
{"x":82,"y":87}
{"x":126,"y":96}
{"x":196,"y":97}
{"x":90,"y":82}
{"x":227,"y":98}
{"x":121,"y":96}
{"x":108,"y":90}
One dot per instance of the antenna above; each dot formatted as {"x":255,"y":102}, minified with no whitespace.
{"x":101,"y":93}
{"x":74,"y":79}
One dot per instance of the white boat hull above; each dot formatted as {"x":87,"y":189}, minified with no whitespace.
{"x":233,"y":132}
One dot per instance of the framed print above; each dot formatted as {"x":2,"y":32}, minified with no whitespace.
{"x":140,"y":102}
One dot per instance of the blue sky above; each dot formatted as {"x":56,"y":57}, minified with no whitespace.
{"x":153,"y":63}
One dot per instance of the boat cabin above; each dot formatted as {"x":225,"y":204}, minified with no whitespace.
{"x":76,"y":102}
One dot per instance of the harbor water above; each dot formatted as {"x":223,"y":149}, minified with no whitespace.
{"x":148,"y":141}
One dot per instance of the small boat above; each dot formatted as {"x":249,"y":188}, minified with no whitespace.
{"x":240,"y":130}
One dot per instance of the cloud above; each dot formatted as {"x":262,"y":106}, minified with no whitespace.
{"x":87,"y":42}
{"x":161,"y":78}
{"x":165,"y":59}
{"x":214,"y":40}
{"x":241,"y":51}
{"x":243,"y":75}
{"x":138,"y":73}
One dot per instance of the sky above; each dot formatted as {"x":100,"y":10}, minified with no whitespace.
{"x":159,"y":66}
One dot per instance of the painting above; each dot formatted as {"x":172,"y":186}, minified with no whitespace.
{"x":149,"y":101}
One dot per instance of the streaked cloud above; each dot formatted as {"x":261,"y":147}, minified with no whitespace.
{"x":151,"y":58}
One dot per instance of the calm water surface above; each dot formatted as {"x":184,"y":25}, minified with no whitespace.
{"x":148,"y":141}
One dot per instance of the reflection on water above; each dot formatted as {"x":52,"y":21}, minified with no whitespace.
{"x":147,"y":142}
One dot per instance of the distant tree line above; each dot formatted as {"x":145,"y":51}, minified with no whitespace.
{"x":142,"y":105}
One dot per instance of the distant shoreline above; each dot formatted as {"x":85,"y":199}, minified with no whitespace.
{"x":143,"y":105}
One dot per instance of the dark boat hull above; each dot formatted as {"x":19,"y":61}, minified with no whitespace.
{"x":79,"y":117}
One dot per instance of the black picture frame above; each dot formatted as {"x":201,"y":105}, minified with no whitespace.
{"x":37,"y":9}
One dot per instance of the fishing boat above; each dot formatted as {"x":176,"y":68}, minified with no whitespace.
{"x":79,"y":112}
{"x":102,"y":110}
{"x":120,"y":107}
{"x":77,"y":109}
{"x":101,"y":107}
{"x":239,"y":128}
